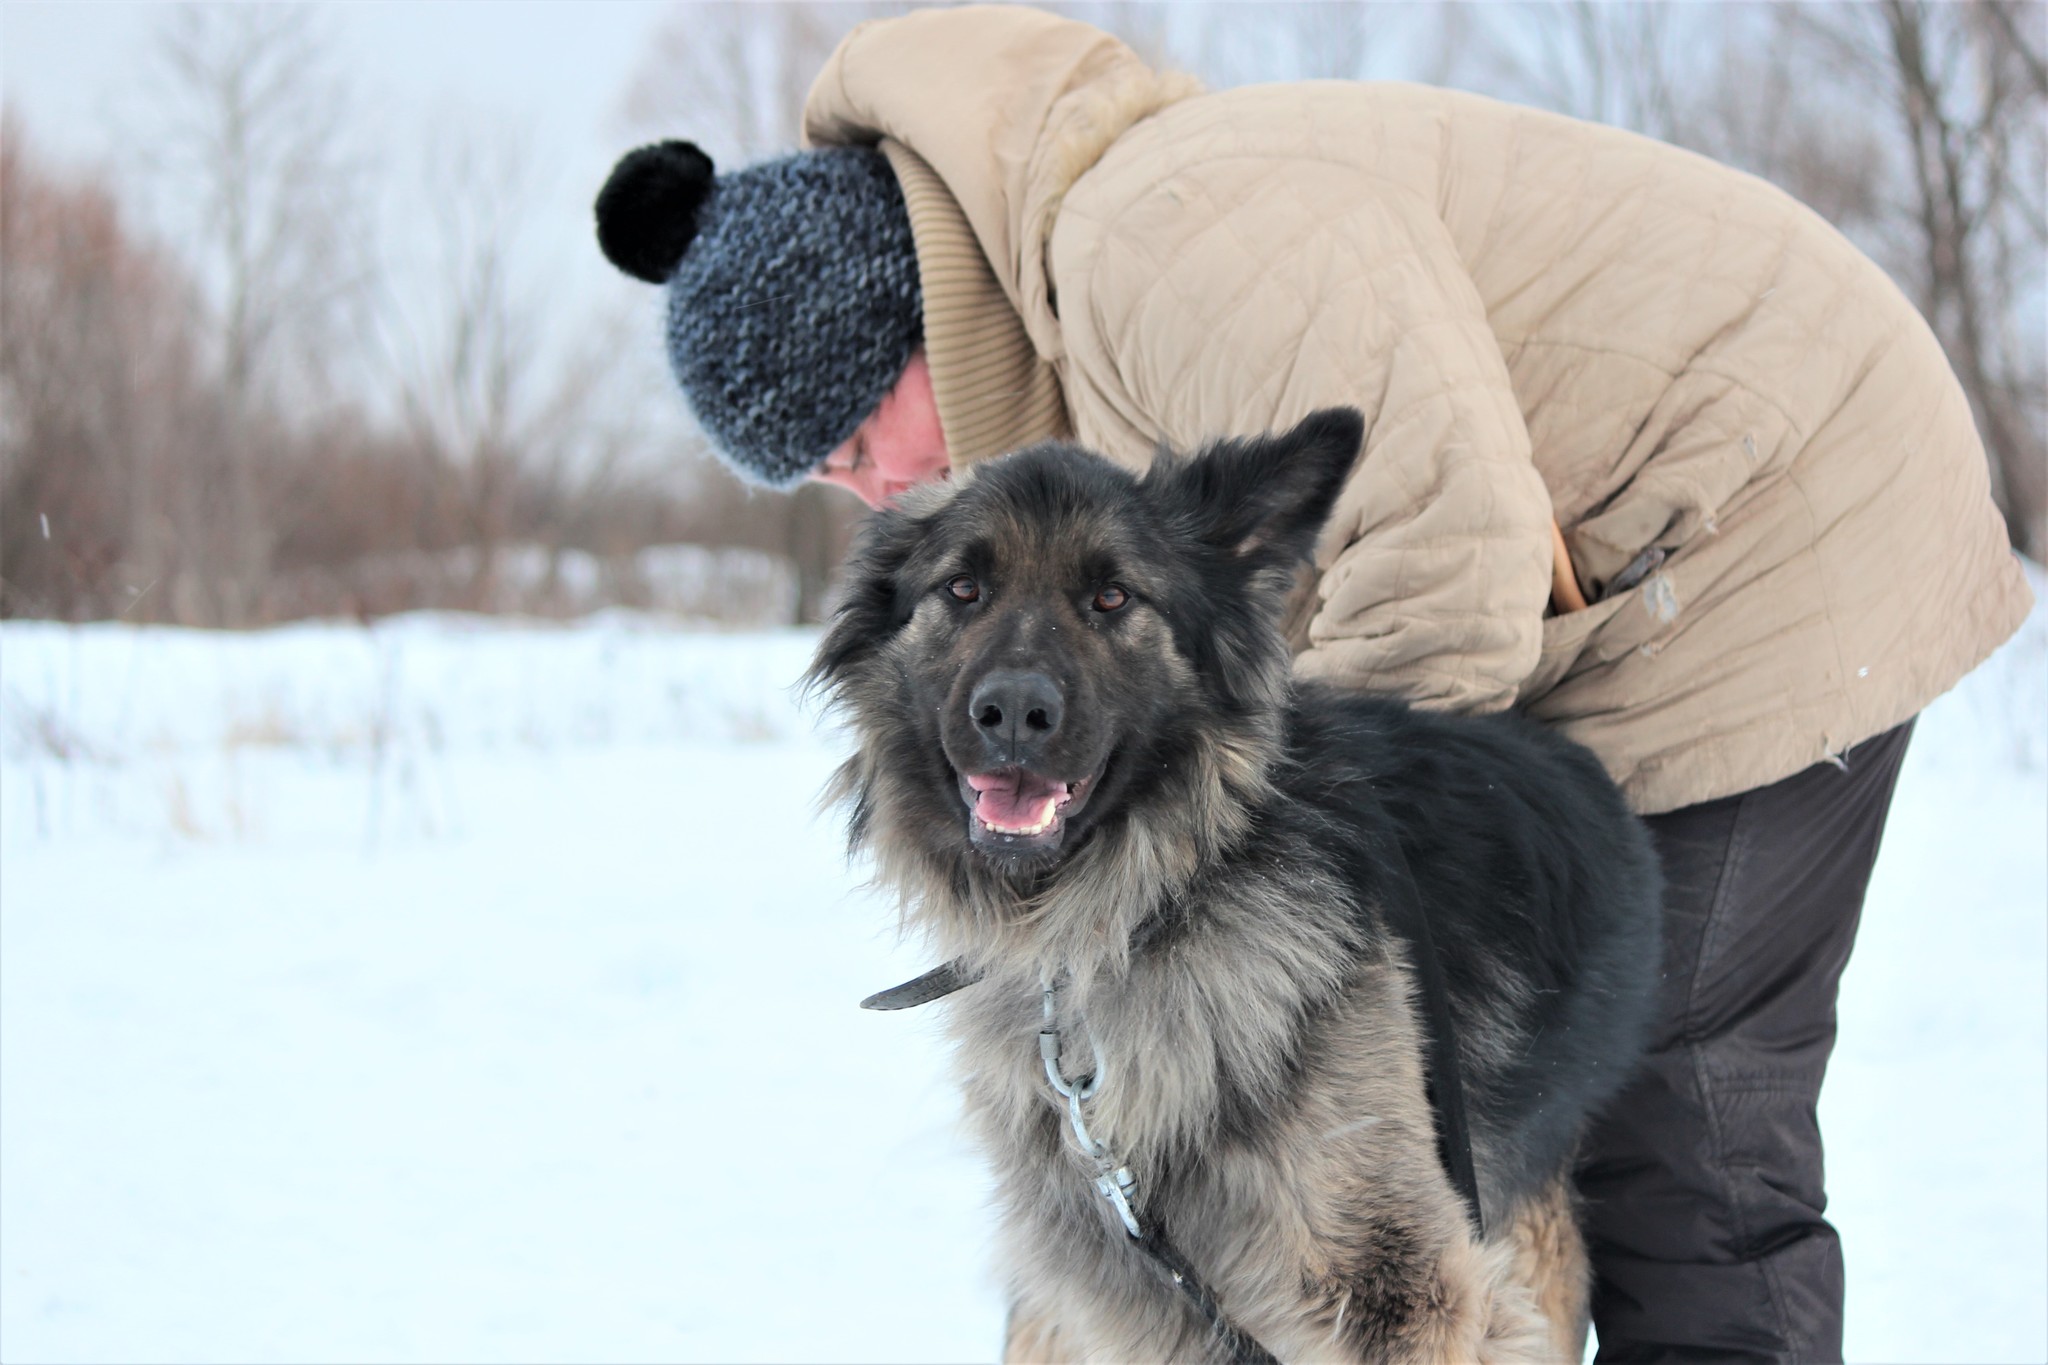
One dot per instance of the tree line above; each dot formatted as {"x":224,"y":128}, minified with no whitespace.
{"x":244,"y":419}
{"x":229,"y":398}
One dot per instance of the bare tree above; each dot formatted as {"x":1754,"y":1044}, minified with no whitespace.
{"x":1968,"y":93}
{"x":465,"y":370}
{"x":100,"y":394}
{"x":249,"y":154}
{"x":252,"y":148}
{"x":1950,"y":195}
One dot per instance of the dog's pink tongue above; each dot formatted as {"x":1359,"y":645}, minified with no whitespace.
{"x":1015,"y":801}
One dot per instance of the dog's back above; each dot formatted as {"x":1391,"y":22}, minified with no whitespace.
{"x":1541,"y":892}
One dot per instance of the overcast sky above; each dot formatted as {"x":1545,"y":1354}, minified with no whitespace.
{"x":547,"y":74}
{"x":555,"y":70}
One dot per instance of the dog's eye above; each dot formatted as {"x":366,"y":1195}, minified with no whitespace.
{"x":964,"y":589}
{"x":1110,"y":598}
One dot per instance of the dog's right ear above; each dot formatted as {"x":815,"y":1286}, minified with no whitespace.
{"x":873,"y":607}
{"x":1262,"y":501}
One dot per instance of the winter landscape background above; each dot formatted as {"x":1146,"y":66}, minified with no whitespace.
{"x":459,"y":989}
{"x":401,"y":982}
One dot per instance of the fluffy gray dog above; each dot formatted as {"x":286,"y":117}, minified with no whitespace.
{"x":1193,"y":1028}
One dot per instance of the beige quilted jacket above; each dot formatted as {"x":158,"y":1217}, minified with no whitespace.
{"x":1730,"y":412}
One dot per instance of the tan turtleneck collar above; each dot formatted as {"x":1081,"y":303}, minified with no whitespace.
{"x":994,"y":392}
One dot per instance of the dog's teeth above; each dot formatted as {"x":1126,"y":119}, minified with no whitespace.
{"x":1012,"y":831}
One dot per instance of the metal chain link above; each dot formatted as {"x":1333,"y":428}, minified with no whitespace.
{"x":1113,"y":1179}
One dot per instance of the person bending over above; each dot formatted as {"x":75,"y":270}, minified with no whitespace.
{"x":1652,"y":453}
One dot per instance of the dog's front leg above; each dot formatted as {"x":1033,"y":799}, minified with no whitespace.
{"x":1032,"y":1337}
{"x":1389,"y":1269}
{"x":1399,"y":1302}
{"x":1550,"y":1258}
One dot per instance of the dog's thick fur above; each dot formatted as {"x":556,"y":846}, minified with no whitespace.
{"x":1208,"y":887}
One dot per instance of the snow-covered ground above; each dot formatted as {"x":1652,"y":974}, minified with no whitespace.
{"x":462,"y":990}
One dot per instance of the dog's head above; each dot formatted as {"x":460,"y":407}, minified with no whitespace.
{"x":1033,"y":653}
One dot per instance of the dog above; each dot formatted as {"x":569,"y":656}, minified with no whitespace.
{"x":1083,"y":763}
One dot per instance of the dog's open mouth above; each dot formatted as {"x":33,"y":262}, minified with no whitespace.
{"x":1018,"y":811}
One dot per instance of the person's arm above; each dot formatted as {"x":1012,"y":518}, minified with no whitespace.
{"x":1243,"y":295}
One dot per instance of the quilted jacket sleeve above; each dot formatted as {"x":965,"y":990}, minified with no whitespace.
{"x":1239,"y":294}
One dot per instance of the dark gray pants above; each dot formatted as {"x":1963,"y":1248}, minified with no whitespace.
{"x":1702,"y":1182}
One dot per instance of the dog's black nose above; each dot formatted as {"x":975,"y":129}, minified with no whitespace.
{"x":1015,"y":712}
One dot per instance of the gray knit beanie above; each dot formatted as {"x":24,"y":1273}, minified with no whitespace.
{"x":793,"y":297}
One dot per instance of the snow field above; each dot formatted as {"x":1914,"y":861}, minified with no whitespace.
{"x":473,"y":990}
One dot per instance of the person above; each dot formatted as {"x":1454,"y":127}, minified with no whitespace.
{"x":1652,"y":453}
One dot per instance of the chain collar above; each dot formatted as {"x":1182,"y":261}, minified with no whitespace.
{"x":1113,"y":1179}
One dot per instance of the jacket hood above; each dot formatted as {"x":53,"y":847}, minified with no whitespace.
{"x":1007,"y":106}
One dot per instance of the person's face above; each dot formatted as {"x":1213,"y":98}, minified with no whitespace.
{"x":899,"y":446}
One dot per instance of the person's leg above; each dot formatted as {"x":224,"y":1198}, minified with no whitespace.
{"x":1702,"y":1180}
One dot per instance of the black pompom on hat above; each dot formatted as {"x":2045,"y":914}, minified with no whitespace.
{"x":647,"y":210}
{"x":793,"y":296}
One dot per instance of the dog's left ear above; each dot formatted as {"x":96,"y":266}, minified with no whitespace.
{"x":1262,"y":501}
